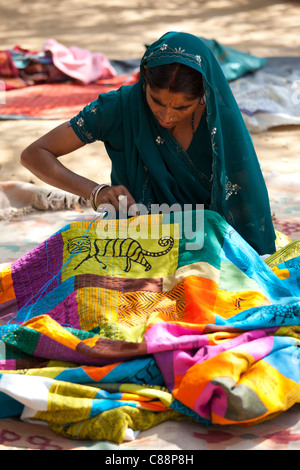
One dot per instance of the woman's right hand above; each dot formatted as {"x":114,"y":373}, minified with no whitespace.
{"x":117,"y":196}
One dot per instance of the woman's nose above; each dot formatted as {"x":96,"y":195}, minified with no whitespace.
{"x":166,"y":114}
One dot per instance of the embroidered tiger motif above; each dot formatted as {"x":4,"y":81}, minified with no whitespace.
{"x":118,"y":248}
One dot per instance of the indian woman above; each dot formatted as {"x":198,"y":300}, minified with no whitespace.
{"x":176,"y":136}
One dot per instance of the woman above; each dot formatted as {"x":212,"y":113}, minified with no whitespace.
{"x":173,"y":138}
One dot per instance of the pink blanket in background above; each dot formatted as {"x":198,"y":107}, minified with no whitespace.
{"x":80,"y":64}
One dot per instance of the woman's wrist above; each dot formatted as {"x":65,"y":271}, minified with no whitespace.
{"x":94,"y":194}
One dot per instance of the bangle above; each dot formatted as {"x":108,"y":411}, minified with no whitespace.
{"x":94,"y":194}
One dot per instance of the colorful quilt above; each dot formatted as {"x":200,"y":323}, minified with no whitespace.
{"x":113,"y":326}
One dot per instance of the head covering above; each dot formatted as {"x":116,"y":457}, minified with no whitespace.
{"x":159,"y":171}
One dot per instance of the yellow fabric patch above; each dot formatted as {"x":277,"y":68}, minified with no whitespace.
{"x":45,"y":325}
{"x":229,"y":304}
{"x":153,"y":253}
{"x":68,"y":402}
{"x":277,"y":392}
{"x":97,"y":306}
{"x":281,"y":240}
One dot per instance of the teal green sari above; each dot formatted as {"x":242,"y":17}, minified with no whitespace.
{"x":151,"y":164}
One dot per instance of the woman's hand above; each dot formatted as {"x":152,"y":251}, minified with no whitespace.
{"x":117,"y":196}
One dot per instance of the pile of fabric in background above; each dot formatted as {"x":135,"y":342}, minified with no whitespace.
{"x":58,"y":81}
{"x":267,"y":90}
{"x":55,"y":64}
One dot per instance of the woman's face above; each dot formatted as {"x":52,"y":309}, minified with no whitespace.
{"x":170,"y":108}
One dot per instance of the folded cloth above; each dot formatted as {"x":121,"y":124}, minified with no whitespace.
{"x":80,"y":64}
{"x":270,"y":97}
{"x":7,"y":67}
{"x":18,"y":198}
{"x":233,"y":62}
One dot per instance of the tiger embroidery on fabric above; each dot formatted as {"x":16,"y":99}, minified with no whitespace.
{"x":118,"y":248}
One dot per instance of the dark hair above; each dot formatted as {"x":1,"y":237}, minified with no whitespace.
{"x":176,"y":77}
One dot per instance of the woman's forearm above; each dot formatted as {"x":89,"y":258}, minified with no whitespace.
{"x":49,"y":169}
{"x":42,"y":159}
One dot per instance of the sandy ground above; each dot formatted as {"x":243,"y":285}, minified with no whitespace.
{"x":120,"y":29}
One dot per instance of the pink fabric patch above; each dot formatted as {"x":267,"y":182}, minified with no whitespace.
{"x":166,"y":337}
{"x":205,"y":405}
{"x":7,"y":364}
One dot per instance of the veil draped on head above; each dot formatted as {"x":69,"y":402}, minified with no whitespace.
{"x":159,"y":171}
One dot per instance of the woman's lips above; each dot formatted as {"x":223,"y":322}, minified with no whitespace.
{"x":168,"y":125}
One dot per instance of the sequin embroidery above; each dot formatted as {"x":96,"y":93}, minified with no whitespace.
{"x":177,"y":51}
{"x":159,"y":140}
{"x":231,"y":188}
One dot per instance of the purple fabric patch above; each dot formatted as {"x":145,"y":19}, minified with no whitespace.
{"x":66,"y":312}
{"x":33,"y":271}
{"x":162,"y":359}
{"x":48,"y":348}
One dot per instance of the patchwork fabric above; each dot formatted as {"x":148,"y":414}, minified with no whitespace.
{"x":115,"y":325}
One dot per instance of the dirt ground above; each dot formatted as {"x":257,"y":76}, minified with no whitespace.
{"x":119,"y":30}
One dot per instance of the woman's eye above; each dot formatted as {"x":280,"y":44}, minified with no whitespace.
{"x":158,"y":103}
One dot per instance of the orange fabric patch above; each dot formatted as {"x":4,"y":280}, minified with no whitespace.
{"x":226,"y":364}
{"x":97,"y":373}
{"x":201,"y":294}
{"x":7,"y":291}
{"x":281,"y":273}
